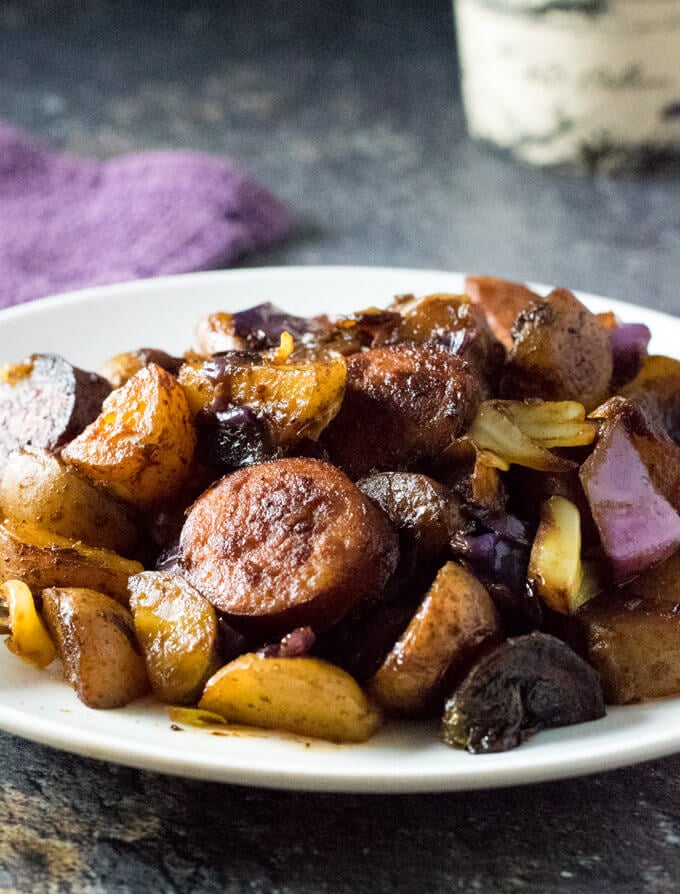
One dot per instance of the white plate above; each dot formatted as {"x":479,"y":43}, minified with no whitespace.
{"x":91,"y":325}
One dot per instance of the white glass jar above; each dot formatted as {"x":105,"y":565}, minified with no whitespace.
{"x":594,"y":83}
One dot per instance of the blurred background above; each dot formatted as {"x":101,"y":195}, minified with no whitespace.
{"x":351,"y":113}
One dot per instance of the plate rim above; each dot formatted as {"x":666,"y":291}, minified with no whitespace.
{"x":133,"y":753}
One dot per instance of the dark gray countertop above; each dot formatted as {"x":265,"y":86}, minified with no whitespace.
{"x":350,"y":112}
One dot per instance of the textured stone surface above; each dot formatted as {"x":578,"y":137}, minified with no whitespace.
{"x":350,"y":112}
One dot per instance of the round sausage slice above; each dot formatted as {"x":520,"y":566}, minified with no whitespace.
{"x":403,"y":403}
{"x":286,"y":544}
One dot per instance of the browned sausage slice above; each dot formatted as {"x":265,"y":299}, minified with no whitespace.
{"x":285,"y":544}
{"x":403,"y":403}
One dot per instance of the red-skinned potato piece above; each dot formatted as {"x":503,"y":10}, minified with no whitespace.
{"x":46,"y":402}
{"x":501,"y":300}
{"x":402,"y":404}
{"x":286,"y":544}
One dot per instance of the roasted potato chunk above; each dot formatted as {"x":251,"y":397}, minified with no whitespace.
{"x":560,"y":351}
{"x":631,"y":635}
{"x":286,"y":544}
{"x":141,"y":445}
{"x":43,"y":559}
{"x":176,"y":628}
{"x":46,"y":402}
{"x":635,"y":648}
{"x":117,"y":370}
{"x":456,"y":619}
{"x":297,"y":400}
{"x":422,"y":511}
{"x":95,"y":639}
{"x":457,"y":324}
{"x":403,"y":404}
{"x":656,"y":388}
{"x":304,"y":696}
{"x":39,"y":488}
{"x":501,"y":300}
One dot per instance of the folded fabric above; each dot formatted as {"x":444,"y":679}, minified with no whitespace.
{"x":67,"y":222}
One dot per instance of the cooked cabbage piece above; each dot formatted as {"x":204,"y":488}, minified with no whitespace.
{"x":523,"y":432}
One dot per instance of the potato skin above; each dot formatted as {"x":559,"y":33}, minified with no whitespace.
{"x":560,"y":351}
{"x":176,"y":628}
{"x":141,"y":445}
{"x":96,"y":642}
{"x":421,"y":510}
{"x":457,"y":324}
{"x":46,"y":402}
{"x":631,"y":635}
{"x":456,"y":619}
{"x":286,"y":544}
{"x":304,"y":696}
{"x":501,"y":300}
{"x":37,"y":487}
{"x":403,"y":403}
{"x":120,"y":369}
{"x":43,"y":559}
{"x":656,"y":388}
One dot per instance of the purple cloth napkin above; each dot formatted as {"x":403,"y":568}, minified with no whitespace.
{"x":67,"y":222}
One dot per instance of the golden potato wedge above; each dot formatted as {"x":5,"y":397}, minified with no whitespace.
{"x":141,"y":445}
{"x":455,"y":620}
{"x":43,"y":559}
{"x":38,"y":487}
{"x":176,"y":628}
{"x":298,"y":400}
{"x":95,"y":639}
{"x":29,"y":638}
{"x":305,"y":696}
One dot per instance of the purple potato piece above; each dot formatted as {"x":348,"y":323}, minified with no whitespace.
{"x":638,"y":526}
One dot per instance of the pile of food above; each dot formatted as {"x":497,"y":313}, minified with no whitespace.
{"x":464,"y":506}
